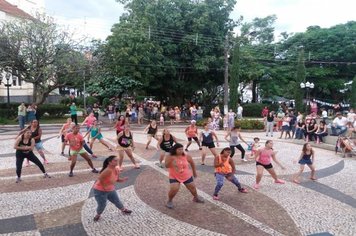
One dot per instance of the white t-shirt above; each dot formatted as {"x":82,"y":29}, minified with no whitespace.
{"x":239,"y":110}
{"x":324,"y":114}
{"x":350,"y":116}
{"x":340,"y":122}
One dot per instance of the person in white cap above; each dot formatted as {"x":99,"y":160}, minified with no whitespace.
{"x":192,"y":133}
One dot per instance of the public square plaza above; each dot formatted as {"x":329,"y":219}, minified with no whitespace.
{"x":65,"y":206}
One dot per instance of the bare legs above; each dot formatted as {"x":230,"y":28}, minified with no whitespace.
{"x":203,"y":155}
{"x":296,"y":177}
{"x":130,"y":155}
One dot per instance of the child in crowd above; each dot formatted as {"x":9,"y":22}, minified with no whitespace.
{"x":306,"y":157}
{"x":226,"y":122}
{"x":161,"y":120}
{"x":255,"y":146}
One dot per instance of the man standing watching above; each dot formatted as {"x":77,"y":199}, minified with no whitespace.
{"x":73,"y":113}
{"x":239,"y":111}
{"x":21,"y":115}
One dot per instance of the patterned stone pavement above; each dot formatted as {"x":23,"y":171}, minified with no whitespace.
{"x":65,"y":206}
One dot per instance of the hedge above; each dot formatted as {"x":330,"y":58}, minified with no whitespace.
{"x":255,"y":109}
{"x":54,"y":110}
{"x":248,"y":124}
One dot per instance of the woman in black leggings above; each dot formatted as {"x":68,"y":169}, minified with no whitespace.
{"x":24,"y":149}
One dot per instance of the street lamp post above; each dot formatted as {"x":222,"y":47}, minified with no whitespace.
{"x":7,"y":85}
{"x":308,"y":86}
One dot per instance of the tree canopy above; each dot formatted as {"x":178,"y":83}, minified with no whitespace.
{"x":174,"y":48}
{"x":39,"y":52}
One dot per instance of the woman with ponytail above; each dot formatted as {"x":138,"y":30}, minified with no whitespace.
{"x":104,"y":187}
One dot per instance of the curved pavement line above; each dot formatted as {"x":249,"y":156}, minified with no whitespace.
{"x":224,"y":206}
{"x":118,"y":224}
{"x":42,"y":200}
{"x":55,"y":173}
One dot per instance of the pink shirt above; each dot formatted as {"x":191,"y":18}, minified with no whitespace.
{"x":75,"y":141}
{"x":90,"y":121}
{"x":180,"y":170}
{"x":265,"y":156}
{"x":109,"y":181}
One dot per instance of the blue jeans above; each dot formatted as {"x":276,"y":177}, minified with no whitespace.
{"x":338,"y":130}
{"x":299,"y":133}
{"x":220,"y":181}
{"x":101,"y":198}
{"x":321,"y":135}
{"x":22,"y":121}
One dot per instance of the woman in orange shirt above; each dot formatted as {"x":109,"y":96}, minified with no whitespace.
{"x":181,"y":169}
{"x":104,"y":187}
{"x":225,"y":168}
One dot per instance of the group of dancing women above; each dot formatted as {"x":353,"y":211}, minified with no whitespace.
{"x":173,"y":155}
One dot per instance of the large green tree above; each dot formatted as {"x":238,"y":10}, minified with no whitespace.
{"x":353,"y":94}
{"x":329,"y":56}
{"x":39,"y":52}
{"x":300,"y":78}
{"x":256,"y":51}
{"x":175,"y":48}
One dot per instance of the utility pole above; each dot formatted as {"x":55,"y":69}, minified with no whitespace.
{"x":226,"y":75}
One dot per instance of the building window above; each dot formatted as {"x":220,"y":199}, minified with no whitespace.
{"x":14,"y":80}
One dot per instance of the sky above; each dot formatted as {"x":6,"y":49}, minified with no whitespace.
{"x":94,"y":18}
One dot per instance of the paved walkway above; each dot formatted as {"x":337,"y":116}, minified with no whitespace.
{"x":65,"y":206}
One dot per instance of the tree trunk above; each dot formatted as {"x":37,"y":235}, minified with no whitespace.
{"x":254,"y":92}
{"x":39,"y":96}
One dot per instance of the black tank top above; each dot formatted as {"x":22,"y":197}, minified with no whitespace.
{"x":22,"y":144}
{"x":270,"y":118}
{"x":306,"y":156}
{"x":166,"y":145}
{"x":125,"y":141}
{"x":152,"y":130}
{"x":34,"y":134}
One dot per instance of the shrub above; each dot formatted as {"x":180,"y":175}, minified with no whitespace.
{"x":106,"y":102}
{"x":255,"y":109}
{"x":91,"y":100}
{"x":9,"y":112}
{"x":54,"y":110}
{"x":248,"y":124}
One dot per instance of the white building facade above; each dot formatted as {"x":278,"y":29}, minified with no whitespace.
{"x":19,"y":91}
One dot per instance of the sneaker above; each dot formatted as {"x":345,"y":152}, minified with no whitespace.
{"x":96,"y":218}
{"x":137,"y":166}
{"x":313,"y":178}
{"x":216,"y":198}
{"x":244,"y":160}
{"x":94,"y":156}
{"x":126,"y":211}
{"x":279,"y":181}
{"x":256,"y":186}
{"x":198,"y":200}
{"x":243,"y":190}
{"x":18,"y":180}
{"x":169,"y":205}
{"x":95,"y":171}
{"x":47,"y":176}
{"x":70,"y":174}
